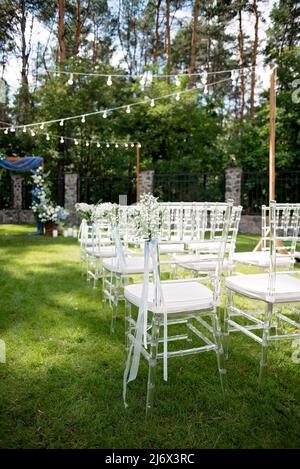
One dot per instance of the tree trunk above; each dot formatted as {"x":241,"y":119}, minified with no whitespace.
{"x":24,"y":57}
{"x":168,"y":36}
{"x":254,"y":55}
{"x":156,"y":40}
{"x":241,"y":52}
{"x":194,"y":41}
{"x":77,"y":28}
{"x":61,"y":30}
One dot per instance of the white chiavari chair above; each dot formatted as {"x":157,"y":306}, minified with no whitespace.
{"x":272,"y":289}
{"x":164,"y":304}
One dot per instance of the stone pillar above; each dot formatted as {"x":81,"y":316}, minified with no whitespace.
{"x":233,"y":184}
{"x":146,"y":182}
{"x":71,"y":180}
{"x":17,"y":182}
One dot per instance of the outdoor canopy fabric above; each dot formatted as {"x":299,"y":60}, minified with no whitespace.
{"x":26,"y":163}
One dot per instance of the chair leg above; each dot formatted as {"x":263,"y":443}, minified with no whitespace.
{"x":228,"y":305}
{"x":152,"y":364}
{"x":189,"y":332}
{"x":264,"y":350}
{"x":220,"y":353}
{"x":115,"y":303}
{"x":103,"y":293}
{"x":127,"y":325}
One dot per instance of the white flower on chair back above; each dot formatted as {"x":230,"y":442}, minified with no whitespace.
{"x":148,"y":218}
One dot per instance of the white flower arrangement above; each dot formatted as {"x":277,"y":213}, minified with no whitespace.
{"x":106,"y":212}
{"x":42,"y":207}
{"x":148,"y":217}
{"x":85,"y":210}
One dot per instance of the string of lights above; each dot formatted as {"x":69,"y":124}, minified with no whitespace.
{"x":106,"y":112}
{"x":72,"y":74}
{"x":91,"y":141}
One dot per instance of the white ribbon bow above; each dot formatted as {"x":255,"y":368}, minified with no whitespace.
{"x":132,"y":365}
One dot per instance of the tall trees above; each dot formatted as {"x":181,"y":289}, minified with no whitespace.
{"x":61,"y":31}
{"x":192,"y":64}
{"x":254,"y":54}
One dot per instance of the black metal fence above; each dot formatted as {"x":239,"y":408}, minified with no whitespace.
{"x":189,"y":187}
{"x":255,"y":189}
{"x":106,"y":189}
{"x":171,"y":187}
{"x":6,"y":190}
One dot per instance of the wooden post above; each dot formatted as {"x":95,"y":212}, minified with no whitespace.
{"x":272,"y":133}
{"x":272,"y":144}
{"x":138,"y":172}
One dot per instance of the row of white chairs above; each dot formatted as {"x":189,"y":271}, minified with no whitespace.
{"x":208,"y":234}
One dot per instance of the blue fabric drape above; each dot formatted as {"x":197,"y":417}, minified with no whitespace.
{"x":26,"y":163}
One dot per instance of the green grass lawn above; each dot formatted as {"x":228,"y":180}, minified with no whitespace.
{"x":61,"y":386}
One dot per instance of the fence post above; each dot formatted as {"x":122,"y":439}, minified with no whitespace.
{"x":71,"y":180}
{"x":146,"y":182}
{"x":17,"y":182}
{"x":233,"y":184}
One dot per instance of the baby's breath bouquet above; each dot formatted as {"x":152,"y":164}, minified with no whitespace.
{"x":106,"y":212}
{"x":148,"y":218}
{"x":84,"y":210}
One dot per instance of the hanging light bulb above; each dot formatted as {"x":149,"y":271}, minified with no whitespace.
{"x":132,"y":145}
{"x":87,"y":144}
{"x":126,"y":145}
{"x":204,"y":78}
{"x":143,"y":80}
{"x":24,"y":129}
{"x":47,"y":137}
{"x":98,"y":145}
{"x":42,"y":126}
{"x":234,"y":75}
{"x":33,"y":133}
{"x":177,"y":81}
{"x":104,"y":115}
{"x":75,"y":141}
{"x":83,"y":119}
{"x":6,"y":131}
{"x":116,"y":145}
{"x":128,"y":110}
{"x":62,"y":140}
{"x":71,"y":80}
{"x":61,"y":123}
{"x":205,"y":89}
{"x":177,"y":97}
{"x":152,"y":104}
{"x":107,"y":145}
{"x":109,"y":81}
{"x":12,"y":129}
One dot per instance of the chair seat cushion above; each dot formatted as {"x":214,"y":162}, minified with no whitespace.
{"x":105,"y":251}
{"x":204,"y":246}
{"x":133,"y":265}
{"x":171,"y":248}
{"x":260,"y":258}
{"x":199,"y":263}
{"x":287,"y":287}
{"x":178,"y":297}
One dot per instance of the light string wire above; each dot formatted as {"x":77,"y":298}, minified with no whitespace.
{"x":12,"y":128}
{"x":153,"y":75}
{"x":91,"y":140}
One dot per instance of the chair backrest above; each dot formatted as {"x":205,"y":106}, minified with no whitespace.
{"x":284,"y":224}
{"x":207,"y":212}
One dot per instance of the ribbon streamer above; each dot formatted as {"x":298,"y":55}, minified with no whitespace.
{"x":134,"y":354}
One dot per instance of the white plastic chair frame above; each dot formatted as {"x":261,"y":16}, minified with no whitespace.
{"x":143,"y":334}
{"x":274,"y":289}
{"x":215,"y":219}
